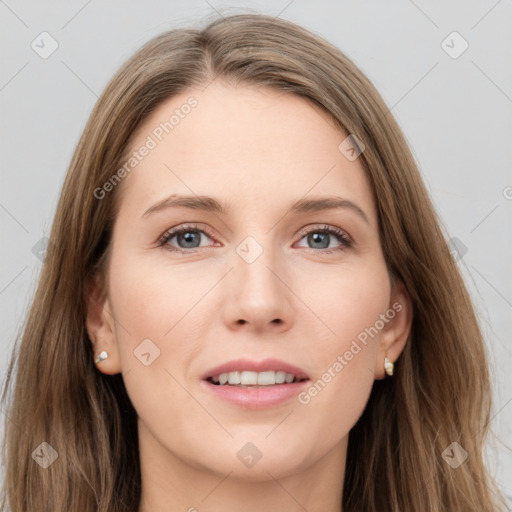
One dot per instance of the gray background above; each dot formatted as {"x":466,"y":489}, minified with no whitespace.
{"x":455,"y":110}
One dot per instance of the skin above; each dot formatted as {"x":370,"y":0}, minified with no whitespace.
{"x":259,"y":151}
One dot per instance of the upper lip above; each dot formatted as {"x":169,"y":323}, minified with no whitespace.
{"x":255,"y":366}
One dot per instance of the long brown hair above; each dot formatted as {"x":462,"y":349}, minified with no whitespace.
{"x":440,"y":392}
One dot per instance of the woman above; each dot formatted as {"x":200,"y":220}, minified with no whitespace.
{"x":191,"y":347}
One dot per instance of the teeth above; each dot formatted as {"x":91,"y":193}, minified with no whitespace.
{"x":247,"y":378}
{"x":280,"y":377}
{"x":266,"y":378}
{"x":234,"y":377}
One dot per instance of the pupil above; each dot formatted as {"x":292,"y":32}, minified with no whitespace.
{"x":319,"y":237}
{"x":188,"y":238}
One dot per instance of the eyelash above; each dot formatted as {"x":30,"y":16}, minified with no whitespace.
{"x":340,"y":235}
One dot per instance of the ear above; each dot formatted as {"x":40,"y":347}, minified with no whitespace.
{"x":100,"y":325}
{"x":396,"y":330}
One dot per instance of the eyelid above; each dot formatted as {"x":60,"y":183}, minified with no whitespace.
{"x":346,"y":240}
{"x":170,"y":233}
{"x":325,"y":227}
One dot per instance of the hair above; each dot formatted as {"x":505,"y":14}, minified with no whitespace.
{"x":440,"y":392}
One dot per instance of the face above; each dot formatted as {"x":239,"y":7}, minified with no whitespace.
{"x":197,"y":284}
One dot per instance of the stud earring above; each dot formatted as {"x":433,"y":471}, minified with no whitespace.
{"x":103,"y":355}
{"x":388,"y":366}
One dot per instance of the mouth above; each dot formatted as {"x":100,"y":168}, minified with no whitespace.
{"x":251,"y":384}
{"x":252,"y":379}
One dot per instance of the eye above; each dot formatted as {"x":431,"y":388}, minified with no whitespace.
{"x":187,"y":238}
{"x":320,"y":238}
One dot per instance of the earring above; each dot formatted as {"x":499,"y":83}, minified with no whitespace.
{"x":388,"y":366}
{"x":103,"y":355}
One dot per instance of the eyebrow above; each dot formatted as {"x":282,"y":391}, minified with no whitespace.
{"x":209,"y":204}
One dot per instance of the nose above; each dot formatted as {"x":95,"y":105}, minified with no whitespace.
{"x":259,"y":297}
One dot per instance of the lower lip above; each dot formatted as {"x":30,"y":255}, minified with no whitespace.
{"x":256,"y":398}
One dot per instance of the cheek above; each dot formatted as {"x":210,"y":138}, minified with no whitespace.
{"x":346,"y":299}
{"x":350,"y":302}
{"x":150,"y":304}
{"x":152,"y":298}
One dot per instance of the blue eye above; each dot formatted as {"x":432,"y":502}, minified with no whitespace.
{"x":323,"y":236}
{"x":189,"y":237}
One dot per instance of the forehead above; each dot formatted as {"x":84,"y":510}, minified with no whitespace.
{"x":246,"y":144}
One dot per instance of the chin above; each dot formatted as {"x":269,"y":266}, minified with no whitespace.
{"x":258,"y":460}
